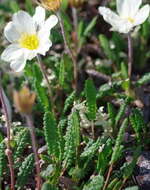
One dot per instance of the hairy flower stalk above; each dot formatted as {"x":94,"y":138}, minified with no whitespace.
{"x":8,"y":150}
{"x":45,"y":77}
{"x":75,"y":20}
{"x":130,"y":55}
{"x":24,"y":101}
{"x":34,"y":147}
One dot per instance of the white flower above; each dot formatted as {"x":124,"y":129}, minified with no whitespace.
{"x":28,"y":36}
{"x":129,"y":15}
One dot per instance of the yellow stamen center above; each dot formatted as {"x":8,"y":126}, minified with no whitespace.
{"x":29,"y":41}
{"x":131,"y":20}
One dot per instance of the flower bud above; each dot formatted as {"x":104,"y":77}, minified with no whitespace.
{"x":76,"y":3}
{"x":52,"y":5}
{"x":24,"y":100}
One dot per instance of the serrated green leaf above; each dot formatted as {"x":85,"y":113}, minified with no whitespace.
{"x":118,"y":147}
{"x":69,"y":101}
{"x":95,"y":183}
{"x":25,"y":171}
{"x":51,"y":134}
{"x":62,"y":72}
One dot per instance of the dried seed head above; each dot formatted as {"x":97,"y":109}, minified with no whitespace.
{"x":76,"y":3}
{"x":51,"y":5}
{"x":24,"y":100}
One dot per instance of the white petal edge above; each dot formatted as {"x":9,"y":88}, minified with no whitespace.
{"x":128,"y":8}
{"x":110,"y":17}
{"x":12,"y":52}
{"x":51,"y":22}
{"x":44,"y":47}
{"x":39,"y":16}
{"x":19,"y":64}
{"x":142,"y":15}
{"x":11,"y":33}
{"x":45,"y":30}
{"x":24,"y":22}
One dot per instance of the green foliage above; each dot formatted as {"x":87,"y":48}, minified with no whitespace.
{"x":51,"y":134}
{"x":137,"y":123}
{"x":132,"y":188}
{"x":90,"y":92}
{"x":95,"y":183}
{"x":111,"y":113}
{"x":112,"y":184}
{"x":25,"y":171}
{"x":104,"y":43}
{"x":29,"y":6}
{"x":128,"y":168}
{"x":48,"y":186}
{"x":108,"y":89}
{"x":84,"y":31}
{"x":2,"y":158}
{"x":124,"y":71}
{"x":145,"y":79}
{"x":62,"y":72}
{"x":118,"y":148}
{"x":104,"y":156}
{"x":22,"y":141}
{"x":117,"y":185}
{"x":14,"y":6}
{"x":72,"y":140}
{"x":69,"y":101}
{"x":41,"y":92}
{"x":90,"y":149}
{"x":121,"y":111}
{"x":90,"y":27}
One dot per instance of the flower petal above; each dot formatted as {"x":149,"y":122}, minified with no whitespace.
{"x":39,"y":16}
{"x":44,"y":47}
{"x":142,"y":15}
{"x":45,"y":43}
{"x":12,"y":52}
{"x":117,"y":23}
{"x":19,"y":64}
{"x":124,"y":27}
{"x":51,"y":22}
{"x":128,"y":8}
{"x":11,"y":32}
{"x":108,"y":15}
{"x":24,"y":22}
{"x":30,"y":54}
